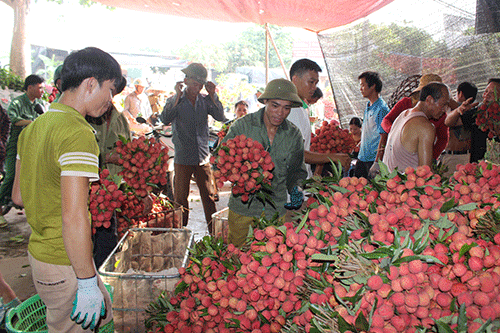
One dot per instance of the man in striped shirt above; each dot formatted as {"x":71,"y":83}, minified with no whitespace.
{"x":57,"y":158}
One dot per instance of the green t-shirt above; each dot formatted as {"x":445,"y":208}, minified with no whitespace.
{"x":107,"y":134}
{"x":58,"y":143}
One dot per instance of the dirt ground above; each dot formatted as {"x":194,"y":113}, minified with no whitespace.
{"x":14,"y":238}
{"x":13,"y":254}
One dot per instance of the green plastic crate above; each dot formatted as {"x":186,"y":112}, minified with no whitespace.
{"x":30,"y":316}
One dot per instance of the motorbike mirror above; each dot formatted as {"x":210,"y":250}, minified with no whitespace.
{"x":39,"y":108}
{"x":140,"y":120}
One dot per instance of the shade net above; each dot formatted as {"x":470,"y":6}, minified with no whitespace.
{"x":456,"y":39}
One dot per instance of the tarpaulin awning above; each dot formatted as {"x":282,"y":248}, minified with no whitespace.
{"x":313,"y":15}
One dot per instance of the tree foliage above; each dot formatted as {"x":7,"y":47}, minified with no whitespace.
{"x":19,"y":53}
{"x":247,"y":50}
{"x":485,"y":50}
{"x":84,"y":3}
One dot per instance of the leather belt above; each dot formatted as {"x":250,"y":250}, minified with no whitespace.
{"x":456,"y":152}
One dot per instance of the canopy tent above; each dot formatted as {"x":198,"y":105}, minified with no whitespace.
{"x":457,"y":39}
{"x":312,"y":15}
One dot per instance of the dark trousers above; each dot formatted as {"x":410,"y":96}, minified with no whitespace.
{"x":10,"y":172}
{"x":361,"y":169}
{"x":105,"y":240}
{"x":203,"y":177}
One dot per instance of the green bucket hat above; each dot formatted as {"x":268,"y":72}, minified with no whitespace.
{"x":197,"y":71}
{"x":57,"y":73}
{"x":281,"y":89}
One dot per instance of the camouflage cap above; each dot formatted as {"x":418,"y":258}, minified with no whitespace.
{"x":281,"y":89}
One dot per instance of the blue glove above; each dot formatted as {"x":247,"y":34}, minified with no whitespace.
{"x":88,"y":306}
{"x":296,"y":199}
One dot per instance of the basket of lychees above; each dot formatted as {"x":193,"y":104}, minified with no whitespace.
{"x":144,"y":164}
{"x":488,"y":118}
{"x":247,"y":165}
{"x":105,"y":197}
{"x":330,"y":138}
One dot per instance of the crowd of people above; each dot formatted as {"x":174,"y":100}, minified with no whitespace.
{"x":52,"y":155}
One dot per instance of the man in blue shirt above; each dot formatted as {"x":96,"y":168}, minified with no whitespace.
{"x":188,"y":112}
{"x":376,"y":109}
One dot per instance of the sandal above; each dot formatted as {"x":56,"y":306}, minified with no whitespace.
{"x":3,"y":222}
{"x":6,"y":307}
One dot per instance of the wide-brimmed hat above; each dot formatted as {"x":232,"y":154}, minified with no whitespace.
{"x":281,"y":89}
{"x":156,"y":88}
{"x":196,"y":71}
{"x":426,"y":79}
{"x":139,"y":82}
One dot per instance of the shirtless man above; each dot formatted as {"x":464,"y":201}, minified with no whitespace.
{"x":458,"y":149}
{"x":411,"y":138}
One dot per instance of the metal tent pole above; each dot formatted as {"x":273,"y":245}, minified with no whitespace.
{"x":277,"y":51}
{"x":267,"y":54}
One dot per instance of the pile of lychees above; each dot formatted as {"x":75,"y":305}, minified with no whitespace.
{"x":330,"y":138}
{"x":407,"y":252}
{"x":245,"y":163}
{"x":163,"y":214}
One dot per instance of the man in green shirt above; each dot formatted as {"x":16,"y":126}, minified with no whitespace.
{"x":21,"y":112}
{"x":57,"y":158}
{"x":108,"y":129}
{"x":285,"y":145}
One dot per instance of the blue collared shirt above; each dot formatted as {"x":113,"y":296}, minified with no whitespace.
{"x":190,"y":126}
{"x":371,"y":130}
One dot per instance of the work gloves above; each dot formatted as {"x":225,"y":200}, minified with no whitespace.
{"x":296,"y":199}
{"x":88,"y":306}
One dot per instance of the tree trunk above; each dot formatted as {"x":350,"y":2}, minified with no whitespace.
{"x":20,"y":55}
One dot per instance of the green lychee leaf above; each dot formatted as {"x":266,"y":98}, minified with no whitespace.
{"x":181,"y":287}
{"x":302,"y":222}
{"x":324,"y":257}
{"x":465,"y":248}
{"x":466,"y":207}
{"x":372,"y":311}
{"x":448,"y":205}
{"x":282,"y":229}
{"x":343,"y":239}
{"x":484,"y":327}
{"x":361,"y":323}
{"x":443,"y":223}
{"x":338,"y":189}
{"x":384,"y":170}
{"x":443,"y":327}
{"x":377,"y":254}
{"x":358,"y":278}
{"x":344,"y":325}
{"x":426,"y":258}
{"x":462,"y":319}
